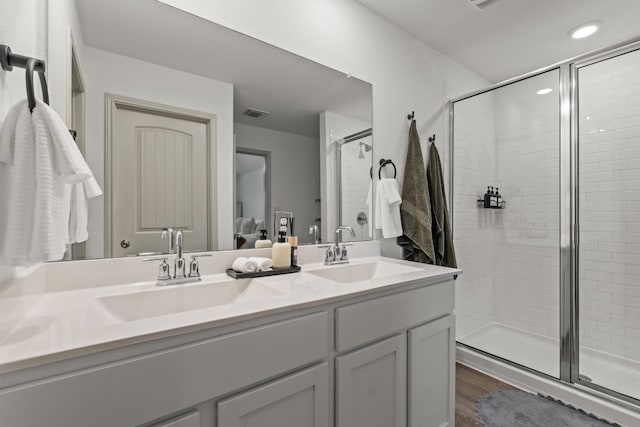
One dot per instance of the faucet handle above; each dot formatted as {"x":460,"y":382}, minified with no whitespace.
{"x":194,"y":265}
{"x":163,"y":270}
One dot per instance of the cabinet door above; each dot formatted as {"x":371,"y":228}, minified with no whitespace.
{"x":371,"y":385}
{"x":189,"y":420}
{"x":432,"y":374}
{"x":300,"y":400}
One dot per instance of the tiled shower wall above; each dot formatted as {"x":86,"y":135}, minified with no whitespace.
{"x":609,"y":171}
{"x":474,"y":165}
{"x":526,"y":234}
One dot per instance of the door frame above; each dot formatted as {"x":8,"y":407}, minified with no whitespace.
{"x":114,"y":102}
{"x":267,"y":182}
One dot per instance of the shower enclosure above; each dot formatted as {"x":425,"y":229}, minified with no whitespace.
{"x":552,"y":280}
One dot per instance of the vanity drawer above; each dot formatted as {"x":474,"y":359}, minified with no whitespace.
{"x":367,"y":321}
{"x":134,"y":391}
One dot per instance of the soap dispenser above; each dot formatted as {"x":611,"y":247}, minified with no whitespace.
{"x":281,"y":252}
{"x":263,"y":242}
{"x":487,"y":198}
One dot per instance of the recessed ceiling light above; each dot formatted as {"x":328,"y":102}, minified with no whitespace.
{"x":584,"y":30}
{"x":544,"y":91}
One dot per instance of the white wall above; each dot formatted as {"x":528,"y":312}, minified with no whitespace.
{"x":63,"y":25}
{"x":23,"y":27}
{"x":406,"y":74}
{"x":295,"y":168}
{"x":610,"y":206}
{"x":106,"y":72}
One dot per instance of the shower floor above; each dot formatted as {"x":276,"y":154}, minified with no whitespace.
{"x":543,"y":354}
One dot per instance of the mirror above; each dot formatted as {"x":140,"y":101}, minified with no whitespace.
{"x":189,"y":125}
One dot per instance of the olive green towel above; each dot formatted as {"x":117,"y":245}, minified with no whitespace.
{"x":440,"y":226}
{"x":415,"y":211}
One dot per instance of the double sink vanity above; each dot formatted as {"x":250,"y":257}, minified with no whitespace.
{"x":368,"y":343}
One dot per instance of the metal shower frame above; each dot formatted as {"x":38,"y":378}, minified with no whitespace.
{"x":569,"y":216}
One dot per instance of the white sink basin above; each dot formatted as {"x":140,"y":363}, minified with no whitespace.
{"x":358,"y":272}
{"x":173,"y":299}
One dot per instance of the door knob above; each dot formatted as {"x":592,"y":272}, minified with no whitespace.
{"x":125,"y":244}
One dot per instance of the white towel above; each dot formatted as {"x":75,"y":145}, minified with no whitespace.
{"x":387,"y":208}
{"x":18,"y":155}
{"x":244,"y":265}
{"x":264,"y":264}
{"x":44,"y":161}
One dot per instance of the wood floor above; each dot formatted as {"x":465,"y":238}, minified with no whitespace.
{"x":471,"y":385}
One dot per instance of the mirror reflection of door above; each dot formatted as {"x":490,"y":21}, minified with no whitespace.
{"x":158,"y":173}
{"x":253,"y":196}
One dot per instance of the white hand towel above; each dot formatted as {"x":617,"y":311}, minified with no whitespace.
{"x":264,"y":264}
{"x":43,"y":160}
{"x":244,"y":265}
{"x":17,"y":148}
{"x":387,"y":203}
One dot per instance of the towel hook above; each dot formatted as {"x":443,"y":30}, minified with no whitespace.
{"x":8,"y":60}
{"x":432,"y":138}
{"x":383,"y":163}
{"x":411,"y":116}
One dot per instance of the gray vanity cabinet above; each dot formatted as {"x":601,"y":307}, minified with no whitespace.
{"x":432,"y":374}
{"x":414,"y":369}
{"x":300,"y":400}
{"x":371,"y":385}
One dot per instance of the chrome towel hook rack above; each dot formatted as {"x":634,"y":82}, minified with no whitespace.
{"x":8,"y":60}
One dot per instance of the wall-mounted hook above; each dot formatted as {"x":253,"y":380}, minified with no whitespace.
{"x":411,"y":116}
{"x":432,"y":138}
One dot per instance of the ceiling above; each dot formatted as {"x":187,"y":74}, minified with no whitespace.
{"x":293,"y":89}
{"x":511,"y":37}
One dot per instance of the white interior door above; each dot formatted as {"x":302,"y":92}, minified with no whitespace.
{"x":159,"y":179}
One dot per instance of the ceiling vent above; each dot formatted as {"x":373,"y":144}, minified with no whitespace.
{"x":481,"y":4}
{"x":255,"y":113}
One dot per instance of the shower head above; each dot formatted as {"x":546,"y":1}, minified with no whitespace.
{"x":364,"y":147}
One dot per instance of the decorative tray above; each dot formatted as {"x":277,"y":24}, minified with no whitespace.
{"x":273,"y":272}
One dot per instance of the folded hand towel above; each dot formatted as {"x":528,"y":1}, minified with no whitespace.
{"x":264,"y":264}
{"x":244,"y":265}
{"x":388,"y":208}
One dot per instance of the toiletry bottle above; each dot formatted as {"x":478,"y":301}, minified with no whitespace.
{"x":281,"y":252}
{"x":498,"y":199}
{"x":263,"y":242}
{"x":493,"y":200}
{"x":293,"y":242}
{"x":487,"y":199}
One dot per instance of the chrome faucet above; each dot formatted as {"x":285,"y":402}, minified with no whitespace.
{"x":313,"y":229}
{"x":168,"y":233}
{"x":179,"y":265}
{"x":335,"y":253}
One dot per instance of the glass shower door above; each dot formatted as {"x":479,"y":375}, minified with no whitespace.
{"x":608,"y":123}
{"x":507,"y":301}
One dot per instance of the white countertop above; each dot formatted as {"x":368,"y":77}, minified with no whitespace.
{"x":69,"y":323}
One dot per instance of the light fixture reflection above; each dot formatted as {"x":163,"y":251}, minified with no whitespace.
{"x":544,"y":91}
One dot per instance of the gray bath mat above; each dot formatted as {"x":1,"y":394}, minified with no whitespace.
{"x":515,"y":408}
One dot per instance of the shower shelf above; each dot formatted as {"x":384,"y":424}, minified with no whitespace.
{"x":480,"y":204}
